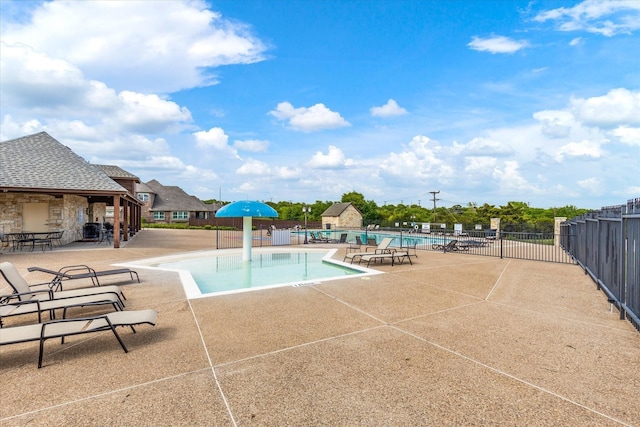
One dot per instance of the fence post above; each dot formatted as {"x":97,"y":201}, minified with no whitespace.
{"x":623,"y":261}
{"x":501,"y":246}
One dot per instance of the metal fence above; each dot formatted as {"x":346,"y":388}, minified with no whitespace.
{"x":519,"y":245}
{"x":261,"y":236}
{"x":606,"y":244}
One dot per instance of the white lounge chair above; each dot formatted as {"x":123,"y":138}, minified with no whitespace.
{"x":382,"y":247}
{"x":74,"y":272}
{"x":26,"y":300}
{"x":20,"y":286}
{"x":62,"y":328}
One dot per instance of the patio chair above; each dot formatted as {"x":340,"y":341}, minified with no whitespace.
{"x":396,"y":257}
{"x":20,"y":286}
{"x":343,"y":239}
{"x":74,"y":272}
{"x":382,"y":248}
{"x":452,"y":246}
{"x":67,"y":327}
{"x":317,"y":238}
{"x":17,"y":304}
{"x":56,"y":238}
{"x":410,"y":248}
{"x":355,"y":246}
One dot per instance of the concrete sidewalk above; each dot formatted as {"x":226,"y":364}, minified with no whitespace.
{"x":454,"y":339}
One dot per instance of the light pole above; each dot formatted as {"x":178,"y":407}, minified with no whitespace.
{"x":306,"y":210}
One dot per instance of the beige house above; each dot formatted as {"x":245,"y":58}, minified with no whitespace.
{"x":170,"y":204}
{"x":342,"y":215}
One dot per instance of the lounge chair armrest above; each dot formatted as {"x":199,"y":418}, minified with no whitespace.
{"x":19,"y":302}
{"x":69,"y":268}
{"x":16,"y":303}
{"x":6,"y":299}
{"x":49,"y":285}
{"x":384,"y":251}
{"x":49,"y":292}
{"x":75,"y":319}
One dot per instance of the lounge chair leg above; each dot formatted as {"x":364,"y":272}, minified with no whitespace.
{"x":41,"y":353}
{"x":113,"y":328}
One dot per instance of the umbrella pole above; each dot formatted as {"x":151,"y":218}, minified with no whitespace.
{"x":246,"y":238}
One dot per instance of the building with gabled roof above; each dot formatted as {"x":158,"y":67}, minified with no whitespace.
{"x":342,"y":215}
{"x":170,"y":204}
{"x":45,"y":186}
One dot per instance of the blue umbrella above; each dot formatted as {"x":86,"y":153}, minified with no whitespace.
{"x":246,"y":209}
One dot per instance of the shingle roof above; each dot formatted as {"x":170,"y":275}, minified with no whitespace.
{"x":336,"y":209}
{"x":141,"y":187}
{"x":172,"y":198}
{"x":113,"y":171}
{"x":39,"y":161}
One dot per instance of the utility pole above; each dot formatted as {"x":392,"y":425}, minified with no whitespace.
{"x":434,"y":204}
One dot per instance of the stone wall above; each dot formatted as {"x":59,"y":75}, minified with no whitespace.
{"x":68,"y":213}
{"x":349,"y":218}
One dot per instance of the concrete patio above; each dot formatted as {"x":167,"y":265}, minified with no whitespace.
{"x":454,"y":339}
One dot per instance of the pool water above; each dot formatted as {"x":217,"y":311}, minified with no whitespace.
{"x":404,"y":239}
{"x":213,"y":272}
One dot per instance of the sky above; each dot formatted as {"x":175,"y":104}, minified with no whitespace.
{"x":303,"y":100}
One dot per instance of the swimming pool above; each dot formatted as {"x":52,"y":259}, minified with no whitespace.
{"x":223,"y":271}
{"x":399,"y":239}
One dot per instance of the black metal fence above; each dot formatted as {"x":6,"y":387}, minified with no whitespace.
{"x":606,"y":244}
{"x":522,"y":245}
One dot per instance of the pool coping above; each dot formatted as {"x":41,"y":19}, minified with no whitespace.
{"x":192,"y":290}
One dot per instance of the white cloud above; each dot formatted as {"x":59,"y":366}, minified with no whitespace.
{"x":510,"y":180}
{"x":579,"y":149}
{"x":390,"y":109}
{"x":497,"y":44}
{"x":421,"y":160}
{"x":35,"y":80}
{"x":11,"y":129}
{"x":148,"y":113}
{"x":608,"y":18}
{"x":191,"y":172}
{"x":576,"y":41}
{"x":160,"y":46}
{"x":593,"y":185}
{"x":214,"y":137}
{"x":617,"y":107}
{"x":628,"y":135}
{"x":254,"y":167}
{"x":315,"y":118}
{"x":555,"y":123}
{"x":287,"y":173}
{"x":482,"y":147}
{"x":253,"y":145}
{"x":334,"y":159}
{"x":480,"y":165}
{"x":34,"y":83}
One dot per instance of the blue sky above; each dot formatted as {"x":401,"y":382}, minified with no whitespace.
{"x":485,"y":101}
